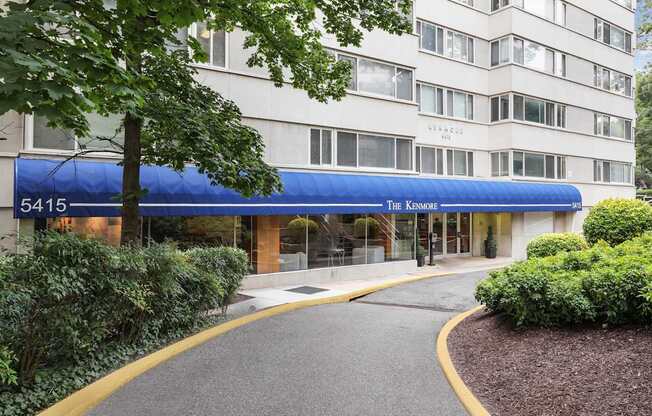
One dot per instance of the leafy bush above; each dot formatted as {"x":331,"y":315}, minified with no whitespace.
{"x":362,"y":226}
{"x":7,"y":371}
{"x":553,"y":243}
{"x":601,"y":284}
{"x":68,"y":297}
{"x":617,"y":220}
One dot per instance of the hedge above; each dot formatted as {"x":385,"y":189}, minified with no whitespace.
{"x":68,"y":299}
{"x":617,"y":220}
{"x":554,"y":243}
{"x":603,"y":284}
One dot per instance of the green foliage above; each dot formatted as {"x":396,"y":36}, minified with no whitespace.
{"x":602,"y":284}
{"x":617,"y":220}
{"x":68,"y":297}
{"x":553,"y":243}
{"x":7,"y":371}
{"x":362,"y":226}
{"x":644,"y":126}
{"x":297,"y":228}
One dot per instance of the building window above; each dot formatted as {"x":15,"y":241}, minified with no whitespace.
{"x":371,"y":151}
{"x":467,"y":2}
{"x":430,"y":99}
{"x":500,"y":164}
{"x":553,"y":10}
{"x":612,"y":81}
{"x":539,"y":111}
{"x":612,"y":172}
{"x":379,"y":78}
{"x":500,"y":108}
{"x":321,"y":147}
{"x":538,"y":57}
{"x":106,"y":133}
{"x":538,"y":165}
{"x":610,"y":126}
{"x":498,"y":4}
{"x":457,"y":104}
{"x":612,"y":35}
{"x":625,"y":3}
{"x":213,"y":43}
{"x":459,"y":163}
{"x":457,"y":45}
{"x":500,"y":51}
{"x":430,"y":160}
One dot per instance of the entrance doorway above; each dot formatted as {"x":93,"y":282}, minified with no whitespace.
{"x":450,"y":233}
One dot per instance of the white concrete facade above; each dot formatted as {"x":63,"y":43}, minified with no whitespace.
{"x":285,"y":116}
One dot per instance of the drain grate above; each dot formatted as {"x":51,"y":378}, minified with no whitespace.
{"x":306,"y":290}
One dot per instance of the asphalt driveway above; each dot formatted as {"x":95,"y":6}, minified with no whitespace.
{"x":372,"y":356}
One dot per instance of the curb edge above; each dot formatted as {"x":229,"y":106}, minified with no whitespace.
{"x":464,"y":394}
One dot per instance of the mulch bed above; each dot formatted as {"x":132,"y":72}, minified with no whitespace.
{"x":580,"y":371}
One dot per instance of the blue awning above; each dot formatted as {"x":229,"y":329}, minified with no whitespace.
{"x":45,"y":188}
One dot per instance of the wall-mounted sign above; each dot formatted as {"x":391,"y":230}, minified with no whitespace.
{"x":447,"y":132}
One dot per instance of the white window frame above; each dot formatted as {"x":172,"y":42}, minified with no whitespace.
{"x":28,"y":140}
{"x":559,"y":160}
{"x":501,"y":169}
{"x":394,"y":78}
{"x":445,"y":109}
{"x":555,"y":116}
{"x":598,"y":35}
{"x":599,"y":170}
{"x":599,"y":127}
{"x":192,"y":31}
{"x":598,"y":80}
{"x":357,"y":151}
{"x":321,"y":147}
{"x":469,"y":155}
{"x":418,"y":167}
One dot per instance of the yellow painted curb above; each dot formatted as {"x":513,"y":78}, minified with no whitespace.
{"x":469,"y":401}
{"x":80,"y":402}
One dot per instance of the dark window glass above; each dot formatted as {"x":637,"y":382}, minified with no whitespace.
{"x":346,"y":149}
{"x":495,"y":109}
{"x":518,"y":107}
{"x":315,"y":147}
{"x":550,"y":167}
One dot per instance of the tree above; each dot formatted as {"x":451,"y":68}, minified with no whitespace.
{"x":64,"y":59}
{"x":644,"y":97}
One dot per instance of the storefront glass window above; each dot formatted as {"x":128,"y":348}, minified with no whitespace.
{"x":336,"y":240}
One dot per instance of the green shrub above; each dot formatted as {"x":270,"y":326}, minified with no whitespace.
{"x":297,"y":228}
{"x":536,"y":293}
{"x":617,"y":220}
{"x":68,"y":297}
{"x":230,"y":266}
{"x":601,"y":284}
{"x":362,"y":226}
{"x":7,"y":371}
{"x":554,"y":243}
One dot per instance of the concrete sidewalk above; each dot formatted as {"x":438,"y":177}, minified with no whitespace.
{"x":266,"y":298}
{"x":373,"y":356}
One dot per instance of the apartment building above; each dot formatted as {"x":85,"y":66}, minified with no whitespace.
{"x":512,"y":114}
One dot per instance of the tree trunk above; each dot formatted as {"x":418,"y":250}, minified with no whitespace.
{"x":131,"y":182}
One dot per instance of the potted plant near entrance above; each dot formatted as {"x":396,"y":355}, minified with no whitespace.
{"x":490,"y":245}
{"x":421,"y":256}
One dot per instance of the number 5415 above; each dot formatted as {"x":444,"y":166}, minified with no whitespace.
{"x":28,"y":205}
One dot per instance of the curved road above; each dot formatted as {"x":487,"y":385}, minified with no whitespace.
{"x":372,"y":356}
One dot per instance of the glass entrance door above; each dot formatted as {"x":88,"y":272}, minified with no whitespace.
{"x":437,"y":234}
{"x":458,"y":233}
{"x":451,"y":233}
{"x":465,"y":233}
